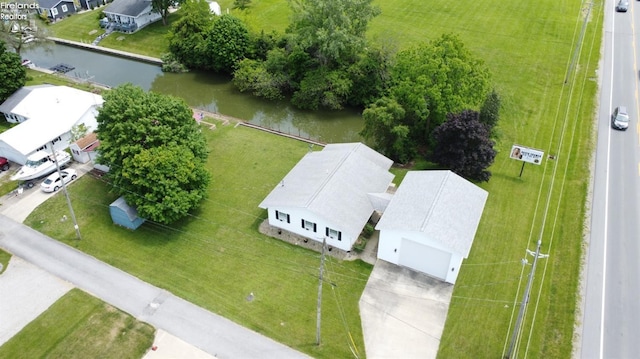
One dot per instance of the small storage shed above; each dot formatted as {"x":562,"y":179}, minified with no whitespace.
{"x":124,"y":215}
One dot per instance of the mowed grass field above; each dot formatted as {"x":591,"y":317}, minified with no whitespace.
{"x":80,"y":326}
{"x":217,"y":257}
{"x":549,"y":104}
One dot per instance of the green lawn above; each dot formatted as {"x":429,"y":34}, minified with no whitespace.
{"x":80,"y":326}
{"x":528,"y":47}
{"x":216,"y":257}
{"x":151,"y":41}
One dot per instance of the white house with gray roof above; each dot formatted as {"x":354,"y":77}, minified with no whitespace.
{"x":130,"y":15}
{"x":326,"y":195}
{"x":430,"y":223}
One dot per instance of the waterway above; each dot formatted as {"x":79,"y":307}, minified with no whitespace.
{"x":202,"y":90}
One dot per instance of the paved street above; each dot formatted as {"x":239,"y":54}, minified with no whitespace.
{"x":211,"y":333}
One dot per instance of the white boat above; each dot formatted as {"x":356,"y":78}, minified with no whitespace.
{"x":40,"y":164}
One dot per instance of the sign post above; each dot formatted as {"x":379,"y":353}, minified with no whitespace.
{"x":526,"y":154}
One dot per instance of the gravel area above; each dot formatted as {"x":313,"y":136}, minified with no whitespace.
{"x":25,"y":292}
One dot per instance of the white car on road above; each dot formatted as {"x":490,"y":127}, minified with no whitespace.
{"x":53,"y":182}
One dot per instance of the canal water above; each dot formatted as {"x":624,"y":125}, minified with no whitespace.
{"x":202,"y":90}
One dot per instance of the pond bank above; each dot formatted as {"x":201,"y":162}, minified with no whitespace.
{"x":124,"y":54}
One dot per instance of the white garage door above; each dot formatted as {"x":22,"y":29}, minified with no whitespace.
{"x":424,"y":258}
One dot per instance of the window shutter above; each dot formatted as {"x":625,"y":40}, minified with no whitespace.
{"x":314,"y":227}
{"x":339,"y":236}
{"x":277,"y":214}
{"x":302,"y":223}
{"x":288,"y":221}
{"x":326,"y":232}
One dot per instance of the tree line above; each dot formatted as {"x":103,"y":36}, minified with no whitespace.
{"x":424,"y":101}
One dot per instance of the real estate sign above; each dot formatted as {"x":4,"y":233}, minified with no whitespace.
{"x":526,"y":154}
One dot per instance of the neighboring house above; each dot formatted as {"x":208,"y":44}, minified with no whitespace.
{"x":326,"y":195}
{"x":129,"y":15}
{"x":91,"y":4}
{"x":56,"y":9}
{"x":214,"y":7}
{"x":430,"y":223}
{"x":124,"y":215}
{"x":84,"y":149}
{"x":50,"y":112}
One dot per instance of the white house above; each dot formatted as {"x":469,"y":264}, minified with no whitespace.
{"x":50,"y":112}
{"x":130,"y":15}
{"x":430,"y":223}
{"x":326,"y":195}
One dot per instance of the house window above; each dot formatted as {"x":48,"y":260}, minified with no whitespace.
{"x":54,"y":12}
{"x":308,"y":225}
{"x":333,"y":234}
{"x":64,"y":8}
{"x":56,"y":139}
{"x":284,"y":217}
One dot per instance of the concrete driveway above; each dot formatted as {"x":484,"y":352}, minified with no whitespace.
{"x":403,"y":313}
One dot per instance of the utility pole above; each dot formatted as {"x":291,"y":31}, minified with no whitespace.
{"x":66,"y":194}
{"x":525,"y":299}
{"x":319,"y":310}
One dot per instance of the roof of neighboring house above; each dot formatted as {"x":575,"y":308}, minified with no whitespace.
{"x":128,"y":7}
{"x":442,"y":205}
{"x":50,"y":4}
{"x":51,"y":112}
{"x":334,"y":183}
{"x":9,"y":104}
{"x":89,"y":141}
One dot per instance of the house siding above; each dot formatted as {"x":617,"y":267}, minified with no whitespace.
{"x":295,"y":225}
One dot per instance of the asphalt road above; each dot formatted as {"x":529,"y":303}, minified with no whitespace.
{"x":611,"y":312}
{"x":210,"y":332}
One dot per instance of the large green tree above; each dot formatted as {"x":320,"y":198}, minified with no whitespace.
{"x":187,"y":35}
{"x":155,"y":152}
{"x":385,"y":130}
{"x":226,"y":43}
{"x":332,"y":31}
{"x":434,"y":79}
{"x":12,"y":74}
{"x":162,"y":7}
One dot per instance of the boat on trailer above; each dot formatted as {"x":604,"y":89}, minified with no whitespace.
{"x":41,"y":164}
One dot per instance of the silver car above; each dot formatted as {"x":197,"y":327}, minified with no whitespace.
{"x":623,"y":6}
{"x":620,"y":118}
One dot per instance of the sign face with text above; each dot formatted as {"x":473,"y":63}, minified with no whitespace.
{"x":526,"y":154}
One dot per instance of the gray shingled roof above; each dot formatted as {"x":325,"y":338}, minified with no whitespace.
{"x":50,"y":4}
{"x":334,"y":183}
{"x":9,"y":104}
{"x":442,"y":205}
{"x":127,"y":7}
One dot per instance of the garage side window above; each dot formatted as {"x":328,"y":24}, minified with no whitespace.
{"x":333,"y":234}
{"x":284,"y":217}
{"x":308,"y":225}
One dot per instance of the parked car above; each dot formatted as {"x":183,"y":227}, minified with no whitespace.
{"x":620,"y":118}
{"x":53,"y":182}
{"x":4,"y":164}
{"x":623,"y":6}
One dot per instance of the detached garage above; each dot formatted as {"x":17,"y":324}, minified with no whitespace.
{"x":430,"y":223}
